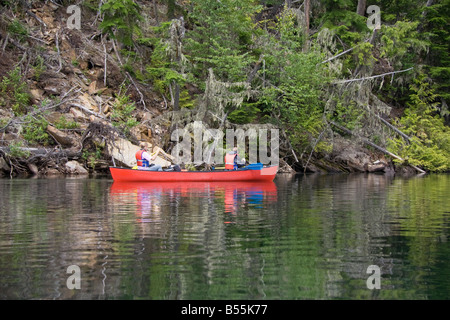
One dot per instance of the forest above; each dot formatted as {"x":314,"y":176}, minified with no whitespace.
{"x":350,"y":84}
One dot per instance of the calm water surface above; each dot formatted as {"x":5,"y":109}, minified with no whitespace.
{"x":300,"y":237}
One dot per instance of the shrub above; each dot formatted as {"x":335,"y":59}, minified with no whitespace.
{"x":122,"y":112}
{"x":14,"y":93}
{"x":16,"y":151}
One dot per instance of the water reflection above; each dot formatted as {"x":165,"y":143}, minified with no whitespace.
{"x":149,"y":197}
{"x":300,"y":237}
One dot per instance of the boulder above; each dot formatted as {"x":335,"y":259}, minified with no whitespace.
{"x":88,"y":102}
{"x":124,"y":151}
{"x":92,"y":88}
{"x":77,"y":114}
{"x":4,"y":165}
{"x":377,"y":166}
{"x":73,"y":167}
{"x":52,"y":171}
{"x":33,"y":168}
{"x":37,"y":94}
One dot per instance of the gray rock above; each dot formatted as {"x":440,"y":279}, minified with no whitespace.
{"x":73,"y":167}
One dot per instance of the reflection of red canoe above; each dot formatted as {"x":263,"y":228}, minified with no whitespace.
{"x":231,"y":193}
{"x":268,"y":187}
{"x":245,"y":174}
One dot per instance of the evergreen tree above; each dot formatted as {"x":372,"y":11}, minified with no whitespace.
{"x":221,"y":37}
{"x":437,"y":29}
{"x":121,"y":19}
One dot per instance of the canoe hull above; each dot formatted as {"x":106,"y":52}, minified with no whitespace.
{"x":126,"y":174}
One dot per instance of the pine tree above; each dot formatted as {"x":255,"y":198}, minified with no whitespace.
{"x":120,"y":20}
{"x":221,"y":38}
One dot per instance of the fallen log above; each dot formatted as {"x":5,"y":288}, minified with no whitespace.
{"x":45,"y":152}
{"x":370,"y":143}
{"x":394,"y":128}
{"x":63,"y":138}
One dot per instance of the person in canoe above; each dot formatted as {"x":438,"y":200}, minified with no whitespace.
{"x":232,"y":160}
{"x":145,"y":160}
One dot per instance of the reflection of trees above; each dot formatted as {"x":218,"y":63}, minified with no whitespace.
{"x":313,"y":240}
{"x":194,"y":252}
{"x":374,"y":220}
{"x":50,"y":225}
{"x":421,"y":207}
{"x":340,"y":217}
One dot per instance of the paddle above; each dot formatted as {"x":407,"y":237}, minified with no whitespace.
{"x":166,"y":156}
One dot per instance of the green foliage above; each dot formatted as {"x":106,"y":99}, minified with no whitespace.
{"x":348,"y":115}
{"x":75,"y":62}
{"x":430,"y":146}
{"x":163,"y":77}
{"x":91,"y":5}
{"x":247,"y":113}
{"x":39,"y":67}
{"x":297,"y":93}
{"x":17,"y":30}
{"x":120,"y":20}
{"x":186,"y":100}
{"x":16,"y":151}
{"x":62,"y":123}
{"x":3,"y":122}
{"x":401,"y":44}
{"x":35,"y":129}
{"x":122,"y":112}
{"x":92,"y":157}
{"x":221,"y":38}
{"x":164,"y":72}
{"x":363,"y":54}
{"x":14,"y":93}
{"x":437,"y":20}
{"x":341,"y":16}
{"x":290,"y":33}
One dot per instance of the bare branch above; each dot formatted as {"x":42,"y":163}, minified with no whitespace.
{"x":371,"y":77}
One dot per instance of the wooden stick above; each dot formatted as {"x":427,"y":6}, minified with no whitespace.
{"x":88,"y":111}
{"x":338,"y":55}
{"x":106,"y":56}
{"x":59,"y":52}
{"x":36,"y":17}
{"x":5,"y":43}
{"x":315,"y":144}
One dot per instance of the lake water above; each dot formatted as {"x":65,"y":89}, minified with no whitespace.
{"x":300,"y":237}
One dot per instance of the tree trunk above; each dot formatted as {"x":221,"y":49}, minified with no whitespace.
{"x":155,"y":8}
{"x":361,"y":10}
{"x":306,"y":34}
{"x":307,"y":6}
{"x":176,"y":100}
{"x":171,"y":9}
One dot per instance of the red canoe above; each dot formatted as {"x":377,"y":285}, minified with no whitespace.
{"x":244,"y":174}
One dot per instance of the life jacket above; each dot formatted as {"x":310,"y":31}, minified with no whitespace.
{"x":230,"y":161}
{"x":141,"y":162}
